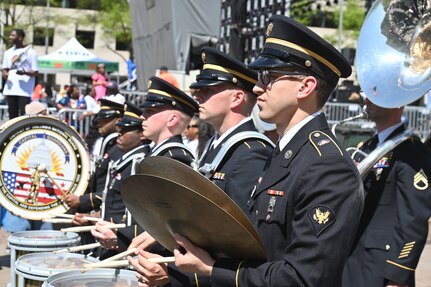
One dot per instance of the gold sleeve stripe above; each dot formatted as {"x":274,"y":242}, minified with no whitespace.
{"x":405,"y":252}
{"x":196,"y":279}
{"x":407,"y":249}
{"x":237,"y":273}
{"x":402,"y":256}
{"x":91,"y":200}
{"x":229,"y":71}
{"x":410,"y":243}
{"x":399,"y":265}
{"x":249,"y":147}
{"x":305,"y":51}
{"x":163,"y":93}
{"x":98,"y":197}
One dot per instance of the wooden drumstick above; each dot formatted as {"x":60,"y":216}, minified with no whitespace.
{"x":114,"y":258}
{"x":77,"y":248}
{"x":120,"y":255}
{"x":57,"y":220}
{"x":89,"y":228}
{"x":123,"y":263}
{"x":64,"y":215}
{"x":63,"y":193}
{"x":71,"y":216}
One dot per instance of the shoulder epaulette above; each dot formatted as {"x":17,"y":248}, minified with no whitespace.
{"x":323,"y":142}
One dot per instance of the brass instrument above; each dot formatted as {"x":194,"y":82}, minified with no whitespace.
{"x":393,"y":60}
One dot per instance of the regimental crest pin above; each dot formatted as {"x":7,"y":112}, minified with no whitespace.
{"x":269,"y":29}
{"x":149,"y":83}
{"x":203,"y":56}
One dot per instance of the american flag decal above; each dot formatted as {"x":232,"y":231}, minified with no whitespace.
{"x":19,"y":185}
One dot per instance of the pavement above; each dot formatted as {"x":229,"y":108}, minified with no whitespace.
{"x":423,"y":271}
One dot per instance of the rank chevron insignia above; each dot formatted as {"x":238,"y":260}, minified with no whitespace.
{"x":420,"y":180}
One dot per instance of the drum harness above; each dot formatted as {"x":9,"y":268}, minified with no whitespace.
{"x":208,"y":169}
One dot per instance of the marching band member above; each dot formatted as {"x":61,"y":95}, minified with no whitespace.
{"x":394,"y":225}
{"x":134,"y":147}
{"x":308,"y":202}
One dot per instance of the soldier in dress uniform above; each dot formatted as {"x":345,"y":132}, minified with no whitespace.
{"x":109,"y":115}
{"x":224,"y":90}
{"x":166,"y":113}
{"x":308,"y":202}
{"x":134,"y":147}
{"x":394,"y":226}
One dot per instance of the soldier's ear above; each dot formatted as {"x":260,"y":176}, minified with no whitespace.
{"x":172,"y":119}
{"x":238,"y":97}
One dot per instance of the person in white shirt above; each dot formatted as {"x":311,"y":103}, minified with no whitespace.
{"x":20,"y":69}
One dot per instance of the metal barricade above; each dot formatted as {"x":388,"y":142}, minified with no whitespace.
{"x":135,"y":97}
{"x":417,"y":118}
{"x":76,"y":118}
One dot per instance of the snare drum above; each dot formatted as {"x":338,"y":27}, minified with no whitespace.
{"x":33,"y":269}
{"x":25,"y":242}
{"x":92,"y":278}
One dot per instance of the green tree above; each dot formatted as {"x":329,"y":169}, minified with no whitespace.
{"x":13,"y":12}
{"x":114,"y":17}
{"x":353,"y":16}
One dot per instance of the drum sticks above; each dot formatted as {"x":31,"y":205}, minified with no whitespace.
{"x":89,"y":228}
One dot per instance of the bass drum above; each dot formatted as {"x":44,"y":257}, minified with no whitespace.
{"x":42,"y":160}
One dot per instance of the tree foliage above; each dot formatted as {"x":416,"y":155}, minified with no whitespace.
{"x":22,"y":14}
{"x":114,"y":17}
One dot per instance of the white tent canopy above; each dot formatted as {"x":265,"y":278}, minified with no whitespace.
{"x":73,"y":58}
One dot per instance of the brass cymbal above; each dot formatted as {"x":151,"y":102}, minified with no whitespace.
{"x":164,"y":207}
{"x":180,"y":173}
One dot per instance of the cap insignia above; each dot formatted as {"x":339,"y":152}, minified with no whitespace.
{"x":308,"y":63}
{"x":203,"y":57}
{"x":174,"y":103}
{"x":125,"y":106}
{"x":269,"y":29}
{"x":420,"y":181}
{"x":149,"y":83}
{"x":234,"y":80}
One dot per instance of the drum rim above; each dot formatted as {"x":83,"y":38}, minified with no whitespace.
{"x":70,"y":238}
{"x":75,"y":274}
{"x":73,"y":137}
{"x":24,"y":269}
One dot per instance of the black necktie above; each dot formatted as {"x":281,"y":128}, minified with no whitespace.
{"x":373,"y":143}
{"x":276,"y":150}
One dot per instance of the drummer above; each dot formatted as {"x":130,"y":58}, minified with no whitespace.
{"x":134,"y":147}
{"x":109,"y":115}
{"x":309,"y":199}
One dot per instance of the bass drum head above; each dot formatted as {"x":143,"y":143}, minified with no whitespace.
{"x":41,"y":159}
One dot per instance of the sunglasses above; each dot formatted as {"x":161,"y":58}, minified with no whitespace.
{"x":264,"y":76}
{"x":192,"y":126}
